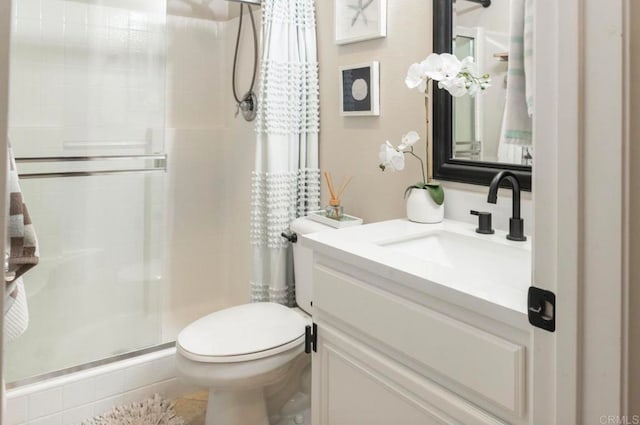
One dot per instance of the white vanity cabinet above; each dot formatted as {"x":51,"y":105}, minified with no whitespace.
{"x":391,"y":354}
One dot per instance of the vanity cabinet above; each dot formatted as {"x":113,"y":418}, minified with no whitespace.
{"x":387,"y":354}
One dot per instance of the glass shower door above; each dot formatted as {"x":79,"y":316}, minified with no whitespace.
{"x":87,"y":127}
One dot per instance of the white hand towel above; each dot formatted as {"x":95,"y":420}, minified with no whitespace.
{"x":16,"y":319}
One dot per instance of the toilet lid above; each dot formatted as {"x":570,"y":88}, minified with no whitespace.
{"x":242,"y":330}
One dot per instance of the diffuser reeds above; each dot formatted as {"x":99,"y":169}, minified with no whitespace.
{"x":336,"y":195}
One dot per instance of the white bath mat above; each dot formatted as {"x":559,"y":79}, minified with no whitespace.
{"x":153,"y":411}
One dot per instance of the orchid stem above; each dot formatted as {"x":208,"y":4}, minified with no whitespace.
{"x":429,"y":150}
{"x":424,"y":176}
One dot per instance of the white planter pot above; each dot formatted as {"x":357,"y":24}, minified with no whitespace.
{"x":422,"y":209}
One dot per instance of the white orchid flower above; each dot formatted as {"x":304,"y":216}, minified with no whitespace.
{"x":437,"y":67}
{"x":458,"y":77}
{"x":408,"y":140}
{"x":385,"y":153}
{"x":390,"y":157}
{"x":432,"y":67}
{"x":416,"y":77}
{"x":456,"y":86}
{"x":397,"y":161}
{"x":469,"y":66}
{"x":441,"y":67}
{"x":473,"y":88}
{"x":451,"y":65}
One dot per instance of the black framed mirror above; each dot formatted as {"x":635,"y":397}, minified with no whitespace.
{"x":448,"y":163}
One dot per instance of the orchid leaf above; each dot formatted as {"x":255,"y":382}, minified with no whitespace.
{"x":435,"y":191}
{"x":418,"y":185}
{"x":407,"y":190}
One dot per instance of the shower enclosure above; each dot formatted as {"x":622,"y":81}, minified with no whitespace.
{"x":87,"y":124}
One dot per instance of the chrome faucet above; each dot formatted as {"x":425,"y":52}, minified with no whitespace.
{"x":516,"y":223}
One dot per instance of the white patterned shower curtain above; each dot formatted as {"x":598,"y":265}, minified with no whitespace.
{"x":286,"y":180}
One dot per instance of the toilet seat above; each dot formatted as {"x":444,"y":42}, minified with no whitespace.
{"x":242,"y":333}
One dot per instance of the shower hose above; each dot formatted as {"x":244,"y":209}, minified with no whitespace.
{"x":247,"y":105}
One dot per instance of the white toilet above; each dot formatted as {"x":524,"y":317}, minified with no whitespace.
{"x":251,"y":356}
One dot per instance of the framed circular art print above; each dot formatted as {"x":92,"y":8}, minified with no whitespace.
{"x":360,"y":89}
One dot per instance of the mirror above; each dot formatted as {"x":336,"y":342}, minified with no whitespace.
{"x":476,"y":137}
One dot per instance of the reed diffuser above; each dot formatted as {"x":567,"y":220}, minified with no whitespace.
{"x":335,"y":210}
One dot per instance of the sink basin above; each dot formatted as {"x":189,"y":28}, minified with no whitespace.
{"x":447,"y":259}
{"x":467,"y":255}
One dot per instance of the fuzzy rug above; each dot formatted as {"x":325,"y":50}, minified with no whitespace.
{"x":153,"y":411}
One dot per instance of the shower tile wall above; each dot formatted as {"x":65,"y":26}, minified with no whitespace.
{"x":211,"y":158}
{"x":87,"y":72}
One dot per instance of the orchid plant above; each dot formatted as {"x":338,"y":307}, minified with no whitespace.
{"x":459,"y":78}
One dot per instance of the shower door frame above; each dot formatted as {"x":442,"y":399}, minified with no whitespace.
{"x":154,"y":162}
{"x":5,"y":34}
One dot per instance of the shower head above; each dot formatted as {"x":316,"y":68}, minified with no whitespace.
{"x":253,"y":2}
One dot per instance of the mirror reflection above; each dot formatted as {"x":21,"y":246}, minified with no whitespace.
{"x":495,"y":127}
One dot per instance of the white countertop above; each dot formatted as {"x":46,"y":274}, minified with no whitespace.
{"x":488,"y":273}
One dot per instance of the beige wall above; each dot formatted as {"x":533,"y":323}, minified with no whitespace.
{"x":349,"y":145}
{"x":634,"y":375}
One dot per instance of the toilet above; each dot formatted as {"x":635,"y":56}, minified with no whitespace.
{"x":251,"y":356}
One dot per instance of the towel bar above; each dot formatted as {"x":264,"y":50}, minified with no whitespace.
{"x":88,"y":158}
{"x":160,"y":164}
{"x":89,"y":173}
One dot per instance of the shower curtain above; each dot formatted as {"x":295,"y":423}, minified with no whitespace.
{"x":286,"y":179}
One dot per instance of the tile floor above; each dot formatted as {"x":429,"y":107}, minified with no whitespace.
{"x":192,"y":407}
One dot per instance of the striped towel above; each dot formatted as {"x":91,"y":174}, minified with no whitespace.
{"x":516,"y":133}
{"x":23,"y":254}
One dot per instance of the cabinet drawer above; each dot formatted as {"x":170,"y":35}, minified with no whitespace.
{"x":491,"y":366}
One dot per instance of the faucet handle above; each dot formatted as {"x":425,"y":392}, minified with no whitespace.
{"x":484,"y":222}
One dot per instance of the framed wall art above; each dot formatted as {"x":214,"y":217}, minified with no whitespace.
{"x":360,"y":89}
{"x":359,"y":20}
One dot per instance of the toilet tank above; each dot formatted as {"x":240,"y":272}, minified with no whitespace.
{"x":303,"y":260}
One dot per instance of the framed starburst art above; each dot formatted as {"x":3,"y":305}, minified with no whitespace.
{"x":359,"y":20}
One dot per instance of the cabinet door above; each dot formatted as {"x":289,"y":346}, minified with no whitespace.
{"x":353,"y":384}
{"x":495,"y":375}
